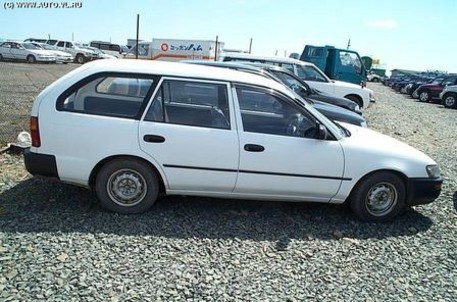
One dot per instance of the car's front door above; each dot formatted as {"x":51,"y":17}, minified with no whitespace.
{"x":279,"y":157}
{"x":189,"y":131}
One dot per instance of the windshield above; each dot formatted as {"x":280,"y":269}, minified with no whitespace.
{"x":29,"y":46}
{"x":311,"y":73}
{"x":291,"y":82}
{"x":48,"y":47}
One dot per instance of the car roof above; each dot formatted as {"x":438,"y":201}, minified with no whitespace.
{"x":179,"y":69}
{"x":247,"y":56}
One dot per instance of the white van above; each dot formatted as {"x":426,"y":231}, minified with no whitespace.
{"x":311,"y":74}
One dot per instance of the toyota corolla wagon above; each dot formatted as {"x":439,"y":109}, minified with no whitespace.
{"x":133,"y":129}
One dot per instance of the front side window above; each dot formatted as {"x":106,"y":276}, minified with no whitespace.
{"x":263,"y":112}
{"x":351,"y":60}
{"x":110,"y":95}
{"x":191,"y":103}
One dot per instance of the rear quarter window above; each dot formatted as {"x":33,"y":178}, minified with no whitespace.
{"x":119,"y":95}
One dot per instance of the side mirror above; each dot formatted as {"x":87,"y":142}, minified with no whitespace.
{"x":322,"y":132}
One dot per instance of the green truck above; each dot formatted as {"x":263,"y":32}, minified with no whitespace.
{"x":338,"y":64}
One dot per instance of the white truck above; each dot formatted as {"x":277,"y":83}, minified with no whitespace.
{"x":176,"y":50}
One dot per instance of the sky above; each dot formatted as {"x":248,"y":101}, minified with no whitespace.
{"x":407,"y":34}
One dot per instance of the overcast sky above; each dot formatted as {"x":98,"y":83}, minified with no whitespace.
{"x":417,"y":35}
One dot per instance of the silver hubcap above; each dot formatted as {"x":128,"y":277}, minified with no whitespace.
{"x":415,"y":94}
{"x":423,"y":96}
{"x":449,"y":101}
{"x":126,"y":187}
{"x":381,"y":199}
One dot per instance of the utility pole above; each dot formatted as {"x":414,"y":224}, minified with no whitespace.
{"x":216,"y":49}
{"x":250,"y":46}
{"x":349,"y":43}
{"x":137,"y":34}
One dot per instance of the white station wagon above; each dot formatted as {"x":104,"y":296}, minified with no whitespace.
{"x":133,"y":129}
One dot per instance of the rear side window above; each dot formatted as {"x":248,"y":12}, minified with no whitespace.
{"x":191,"y":103}
{"x":110,"y":95}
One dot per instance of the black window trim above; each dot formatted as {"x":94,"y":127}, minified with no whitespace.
{"x":166,"y":77}
{"x":72,"y":89}
{"x":294,"y":103}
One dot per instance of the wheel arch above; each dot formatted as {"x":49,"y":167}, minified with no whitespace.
{"x":356,"y":98}
{"x":100,"y":164}
{"x":401,"y":175}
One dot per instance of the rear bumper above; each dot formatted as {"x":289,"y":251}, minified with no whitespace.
{"x":423,"y":190}
{"x":40,"y":164}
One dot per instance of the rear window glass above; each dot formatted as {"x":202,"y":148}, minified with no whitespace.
{"x":114,"y":95}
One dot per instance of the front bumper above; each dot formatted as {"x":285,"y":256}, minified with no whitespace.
{"x":40,"y":164}
{"x":423,"y":190}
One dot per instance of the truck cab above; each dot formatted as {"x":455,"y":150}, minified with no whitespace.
{"x":338,"y":64}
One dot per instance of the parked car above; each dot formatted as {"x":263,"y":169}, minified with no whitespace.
{"x":373,"y":77}
{"x":335,"y":113}
{"x":80,"y":55}
{"x":100,"y":53}
{"x":25,"y":52}
{"x":184,"y":129}
{"x":113,"y":49}
{"x":449,"y":97}
{"x":427,"y":92}
{"x":61,"y":56}
{"x":310,"y":74}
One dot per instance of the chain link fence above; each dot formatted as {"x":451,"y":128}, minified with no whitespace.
{"x":20,"y":83}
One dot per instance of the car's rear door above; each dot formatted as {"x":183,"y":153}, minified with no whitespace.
{"x":189,"y":132}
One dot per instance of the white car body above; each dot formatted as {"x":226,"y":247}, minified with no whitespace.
{"x":363,"y":96}
{"x":18,"y":51}
{"x":79,"y":54}
{"x":208,"y":161}
{"x":61,"y":56}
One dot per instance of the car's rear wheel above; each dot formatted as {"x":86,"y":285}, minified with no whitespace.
{"x":31,"y":59}
{"x":379,"y":197}
{"x":414,"y":94}
{"x":450,"y":100}
{"x":1,"y":57}
{"x":127,"y":185}
{"x":424,"y":96}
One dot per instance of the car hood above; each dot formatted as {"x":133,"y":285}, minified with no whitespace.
{"x":61,"y":53}
{"x":375,"y":143}
{"x":336,"y":113}
{"x":42,"y":52}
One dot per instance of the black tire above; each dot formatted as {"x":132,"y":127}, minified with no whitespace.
{"x":127,"y":186}
{"x":424,"y":96}
{"x":80,"y":59}
{"x":1,"y":57}
{"x":375,"y":80}
{"x":31,"y":59}
{"x":450,"y":100}
{"x":378,"y":197}
{"x":355,"y":99}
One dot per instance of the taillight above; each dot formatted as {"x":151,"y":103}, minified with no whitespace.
{"x":35,"y":131}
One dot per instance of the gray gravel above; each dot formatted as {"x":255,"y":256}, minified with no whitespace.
{"x":56,"y":244}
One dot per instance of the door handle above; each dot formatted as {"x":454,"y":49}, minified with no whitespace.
{"x":254,"y":148}
{"x":153,"y":138}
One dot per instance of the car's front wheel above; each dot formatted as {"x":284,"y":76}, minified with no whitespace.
{"x":424,"y":96}
{"x":450,"y":100}
{"x":31,"y":59}
{"x":127,"y":185}
{"x":80,"y":59}
{"x":379,"y":197}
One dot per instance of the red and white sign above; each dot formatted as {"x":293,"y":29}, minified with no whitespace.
{"x":164,"y":47}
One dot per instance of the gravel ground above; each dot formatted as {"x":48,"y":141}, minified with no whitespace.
{"x":56,"y":244}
